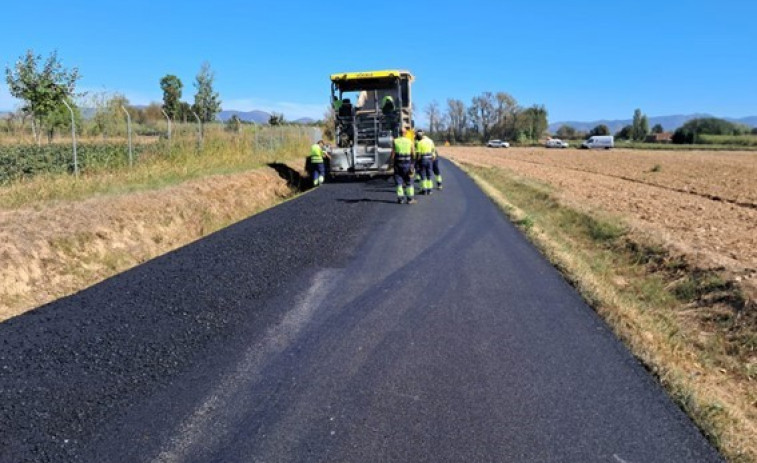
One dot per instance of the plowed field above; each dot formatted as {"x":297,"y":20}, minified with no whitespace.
{"x":702,"y":203}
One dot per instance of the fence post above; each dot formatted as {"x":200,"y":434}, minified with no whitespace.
{"x":199,"y":129}
{"x":168,"y":119}
{"x":128,"y":129}
{"x":73,"y":136}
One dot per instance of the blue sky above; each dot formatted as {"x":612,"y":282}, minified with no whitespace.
{"x":584,"y":60}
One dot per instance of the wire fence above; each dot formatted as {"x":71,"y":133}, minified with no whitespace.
{"x":21,"y":156}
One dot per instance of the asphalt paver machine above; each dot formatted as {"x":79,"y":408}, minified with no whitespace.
{"x":371,"y":108}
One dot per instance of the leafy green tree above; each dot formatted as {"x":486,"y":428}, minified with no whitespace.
{"x":658,"y":128}
{"x":566,"y":132}
{"x":533,"y":122}
{"x":171,"y":86}
{"x":644,"y":127}
{"x":640,"y":125}
{"x":276,"y":119}
{"x":689,"y":132}
{"x":207,"y":103}
{"x":601,"y":129}
{"x":626,"y":133}
{"x":60,"y":118}
{"x":42,"y":90}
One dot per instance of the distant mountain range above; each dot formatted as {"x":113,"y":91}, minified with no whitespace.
{"x":669,"y":123}
{"x":258,"y":117}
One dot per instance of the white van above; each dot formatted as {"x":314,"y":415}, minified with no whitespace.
{"x":599,"y":141}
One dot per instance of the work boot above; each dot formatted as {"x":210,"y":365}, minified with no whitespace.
{"x":439,"y":187}
{"x":428,"y":192}
{"x":411,"y":201}
{"x":400,"y":200}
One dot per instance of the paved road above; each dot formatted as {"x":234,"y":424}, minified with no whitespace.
{"x":336,"y":327}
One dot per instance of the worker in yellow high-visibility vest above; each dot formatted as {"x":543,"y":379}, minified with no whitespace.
{"x":437,"y":172}
{"x":317,"y":153}
{"x":402,"y":156}
{"x":425,"y":151}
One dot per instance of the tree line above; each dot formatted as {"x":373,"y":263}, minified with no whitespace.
{"x":45,"y":86}
{"x":489,"y":115}
{"x":639,"y":130}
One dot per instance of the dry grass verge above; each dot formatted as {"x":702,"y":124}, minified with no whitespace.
{"x":691,"y":327}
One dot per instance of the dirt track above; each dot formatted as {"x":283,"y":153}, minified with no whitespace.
{"x":701,"y":203}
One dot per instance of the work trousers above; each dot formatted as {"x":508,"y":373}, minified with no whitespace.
{"x":404,"y":179}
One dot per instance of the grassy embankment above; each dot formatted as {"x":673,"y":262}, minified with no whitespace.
{"x":689,"y":327}
{"x":59,"y":234}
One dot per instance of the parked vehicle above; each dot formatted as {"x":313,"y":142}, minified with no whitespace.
{"x":556,"y":143}
{"x":498,"y":144}
{"x":599,"y":141}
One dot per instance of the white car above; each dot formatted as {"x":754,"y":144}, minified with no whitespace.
{"x":498,"y":144}
{"x":556,"y":143}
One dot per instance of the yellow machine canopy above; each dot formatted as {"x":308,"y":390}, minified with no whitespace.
{"x":369,"y":80}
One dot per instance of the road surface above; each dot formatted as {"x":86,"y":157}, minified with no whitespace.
{"x":338,"y":326}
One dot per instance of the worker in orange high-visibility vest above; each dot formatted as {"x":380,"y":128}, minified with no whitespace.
{"x":317,"y":153}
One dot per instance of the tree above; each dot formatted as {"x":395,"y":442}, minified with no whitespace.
{"x":207,"y":104}
{"x":658,"y":128}
{"x":626,"y":133}
{"x":566,"y":132}
{"x":505,"y":113}
{"x":533,"y":122}
{"x":640,"y":125}
{"x":690,"y":131}
{"x":644,"y":127}
{"x":41,"y":90}
{"x":276,"y":119}
{"x":458,"y":118}
{"x":482,"y":113}
{"x":171,"y":86}
{"x":434,"y":117}
{"x":601,"y":129}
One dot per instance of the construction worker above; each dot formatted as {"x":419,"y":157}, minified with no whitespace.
{"x":425,"y":149}
{"x":437,"y":172}
{"x":316,"y":162}
{"x":402,"y":155}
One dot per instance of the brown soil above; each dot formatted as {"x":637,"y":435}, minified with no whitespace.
{"x":57,"y":249}
{"x":703,"y":204}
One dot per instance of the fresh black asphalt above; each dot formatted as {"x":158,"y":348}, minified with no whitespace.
{"x":338,"y":326}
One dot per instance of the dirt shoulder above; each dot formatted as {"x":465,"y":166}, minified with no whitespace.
{"x":701,"y":204}
{"x":52,"y":250}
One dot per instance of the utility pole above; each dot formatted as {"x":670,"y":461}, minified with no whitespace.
{"x":73,"y":136}
{"x":128,"y":128}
